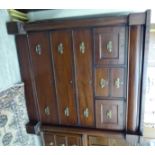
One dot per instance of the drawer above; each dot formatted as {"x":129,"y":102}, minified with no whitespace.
{"x":109,"y":45}
{"x":102,"y":77}
{"x":110,"y":82}
{"x":62,"y":139}
{"x":110,"y":114}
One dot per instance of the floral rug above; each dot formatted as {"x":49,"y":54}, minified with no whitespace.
{"x":13,"y":117}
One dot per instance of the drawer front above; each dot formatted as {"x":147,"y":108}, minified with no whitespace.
{"x":102,"y":82}
{"x":109,"y":45}
{"x":63,"y":67}
{"x":62,"y":139}
{"x":83,"y":74}
{"x":43,"y":76}
{"x":110,"y":114}
{"x":118,"y":82}
{"x":110,"y":82}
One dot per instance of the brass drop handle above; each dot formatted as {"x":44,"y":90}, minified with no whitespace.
{"x":82,"y":47}
{"x":118,"y":82}
{"x":86,"y":113}
{"x":109,"y":46}
{"x":38,"y":49}
{"x":47,"y":111}
{"x":60,"y":48}
{"x":66,"y":112}
{"x":103,"y":83}
{"x":109,"y":114}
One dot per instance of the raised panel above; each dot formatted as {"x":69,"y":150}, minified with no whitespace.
{"x":43,"y":76}
{"x":110,"y":114}
{"x":74,"y":140}
{"x":109,"y":45}
{"x":83,"y":75}
{"x":61,"y":42}
{"x":118,"y":82}
{"x":102,"y":82}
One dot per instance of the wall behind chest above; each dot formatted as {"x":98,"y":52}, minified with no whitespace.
{"x":9,"y":67}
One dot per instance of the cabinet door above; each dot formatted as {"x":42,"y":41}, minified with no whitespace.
{"x":63,"y":67}
{"x":110,"y":114}
{"x":109,"y":45}
{"x":102,"y":82}
{"x":83,"y":75}
{"x":43,"y":76}
{"x":118,"y":82}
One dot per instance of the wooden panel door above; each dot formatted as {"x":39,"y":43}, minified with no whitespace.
{"x":118,"y":83}
{"x":102,"y":82}
{"x":83,"y":75}
{"x":110,"y":114}
{"x":109,"y":45}
{"x":43,"y":76}
{"x":63,"y":67}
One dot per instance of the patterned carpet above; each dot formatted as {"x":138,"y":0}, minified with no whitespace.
{"x":13,"y":117}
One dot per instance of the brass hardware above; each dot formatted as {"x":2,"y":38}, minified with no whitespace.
{"x":109,"y":46}
{"x":82,"y":47}
{"x":47,"y":111}
{"x":118,"y":83}
{"x":86,"y":113}
{"x":60,"y":48}
{"x":103,"y":83}
{"x":51,"y":143}
{"x":109,"y":114}
{"x":38,"y":49}
{"x":66,"y":112}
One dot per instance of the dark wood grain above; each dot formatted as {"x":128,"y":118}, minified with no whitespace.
{"x":116,"y":122}
{"x":118,"y":91}
{"x":63,"y":68}
{"x":102,"y":73}
{"x":83,"y":131}
{"x":134,"y":59}
{"x":117,"y":37}
{"x":83,"y":75}
{"x":61,"y":139}
{"x":27,"y":78}
{"x":72,"y":79}
{"x":43,"y":76}
{"x":76,"y":22}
